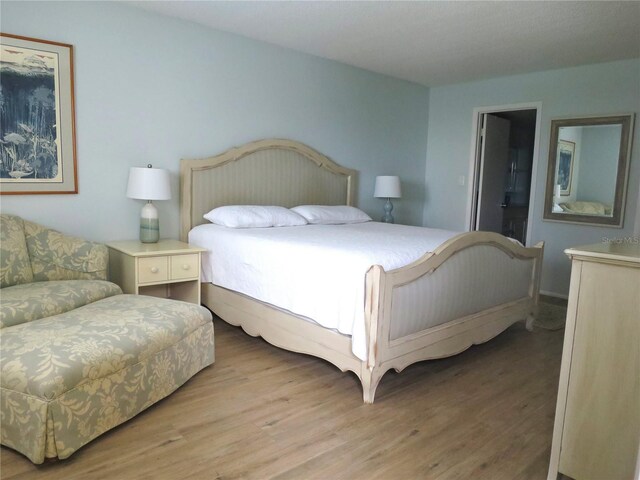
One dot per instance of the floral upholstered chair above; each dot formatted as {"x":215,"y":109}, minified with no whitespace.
{"x":44,"y":272}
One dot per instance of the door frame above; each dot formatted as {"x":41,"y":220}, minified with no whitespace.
{"x":474,"y":157}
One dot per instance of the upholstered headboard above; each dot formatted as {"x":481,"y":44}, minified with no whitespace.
{"x":265,"y":172}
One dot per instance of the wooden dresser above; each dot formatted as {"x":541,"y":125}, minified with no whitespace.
{"x":597,"y":425}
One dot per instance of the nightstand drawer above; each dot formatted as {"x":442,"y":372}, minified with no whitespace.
{"x":184,"y":266}
{"x":153,"y":269}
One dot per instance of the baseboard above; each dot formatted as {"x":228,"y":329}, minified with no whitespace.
{"x":546,"y":293}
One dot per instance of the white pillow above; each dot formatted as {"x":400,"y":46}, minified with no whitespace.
{"x":331,"y":215}
{"x":254,"y":216}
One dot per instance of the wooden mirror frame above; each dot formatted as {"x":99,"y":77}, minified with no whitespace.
{"x":617,"y":218}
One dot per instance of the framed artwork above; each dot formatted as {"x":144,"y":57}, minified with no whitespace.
{"x":566,"y":153}
{"x":37,"y":117}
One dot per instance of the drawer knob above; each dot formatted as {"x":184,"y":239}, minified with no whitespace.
{"x":154,"y":270}
{"x":186,"y":267}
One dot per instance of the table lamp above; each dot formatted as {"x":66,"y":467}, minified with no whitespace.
{"x":149,"y":184}
{"x":387,"y":187}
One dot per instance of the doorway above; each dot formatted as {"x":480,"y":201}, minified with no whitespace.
{"x":502,"y":168}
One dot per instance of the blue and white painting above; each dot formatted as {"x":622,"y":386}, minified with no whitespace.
{"x":566,"y":151}
{"x":29,"y":115}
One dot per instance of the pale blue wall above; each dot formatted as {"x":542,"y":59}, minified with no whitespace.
{"x":598,"y":164}
{"x":156,"y":89}
{"x":588,"y":90}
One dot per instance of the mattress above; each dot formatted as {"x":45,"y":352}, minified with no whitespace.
{"x":315,"y":271}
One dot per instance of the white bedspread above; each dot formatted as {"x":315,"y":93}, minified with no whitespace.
{"x":317,"y":271}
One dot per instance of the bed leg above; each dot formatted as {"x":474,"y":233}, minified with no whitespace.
{"x":370,"y":379}
{"x":529,"y":322}
{"x":531,"y":318}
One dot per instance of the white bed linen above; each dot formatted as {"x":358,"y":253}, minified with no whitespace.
{"x":317,"y":271}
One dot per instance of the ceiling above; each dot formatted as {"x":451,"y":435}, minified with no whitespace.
{"x":431,"y":42}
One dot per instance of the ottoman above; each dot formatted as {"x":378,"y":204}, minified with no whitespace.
{"x":68,"y":378}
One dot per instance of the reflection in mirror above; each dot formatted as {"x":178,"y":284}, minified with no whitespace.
{"x":588,"y":164}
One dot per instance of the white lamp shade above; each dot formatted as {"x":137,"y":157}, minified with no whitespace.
{"x":387,"y":186}
{"x":149,"y":184}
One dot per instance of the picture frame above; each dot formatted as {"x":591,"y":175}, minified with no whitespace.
{"x":37,"y":122}
{"x":566,"y":155}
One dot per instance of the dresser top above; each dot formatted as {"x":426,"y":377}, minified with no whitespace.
{"x":627,"y":251}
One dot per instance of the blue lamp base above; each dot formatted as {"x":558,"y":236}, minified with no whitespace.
{"x":388,"y":207}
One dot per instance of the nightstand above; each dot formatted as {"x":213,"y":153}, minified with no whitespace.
{"x":167,"y":269}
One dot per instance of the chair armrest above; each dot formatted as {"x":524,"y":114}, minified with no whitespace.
{"x":56,"y":256}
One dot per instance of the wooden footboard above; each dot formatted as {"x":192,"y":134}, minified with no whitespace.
{"x":469,"y":290}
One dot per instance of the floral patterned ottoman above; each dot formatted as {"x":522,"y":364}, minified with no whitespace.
{"x":68,"y":378}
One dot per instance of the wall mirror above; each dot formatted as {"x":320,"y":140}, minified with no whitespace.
{"x":588,"y":169}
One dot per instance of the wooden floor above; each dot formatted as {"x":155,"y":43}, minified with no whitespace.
{"x":261,"y":412}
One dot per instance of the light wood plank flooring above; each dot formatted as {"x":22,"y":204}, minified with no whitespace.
{"x":261,"y":412}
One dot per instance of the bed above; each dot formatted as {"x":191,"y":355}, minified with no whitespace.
{"x":442,"y":294}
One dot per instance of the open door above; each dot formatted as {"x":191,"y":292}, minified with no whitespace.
{"x":502,"y":169}
{"x":494,"y":164}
